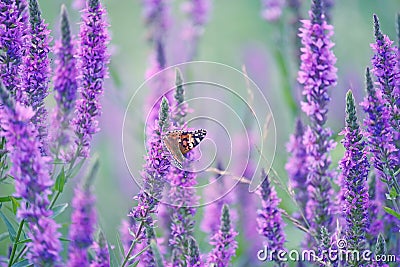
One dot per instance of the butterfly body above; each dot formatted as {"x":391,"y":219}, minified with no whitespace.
{"x":180,"y":142}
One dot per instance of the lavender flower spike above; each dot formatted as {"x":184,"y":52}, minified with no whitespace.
{"x":93,"y":66}
{"x":32,"y":181}
{"x":65,"y":83}
{"x":317,"y":73}
{"x":13,"y":21}
{"x":100,"y":248}
{"x":223,"y":241}
{"x":355,"y":169}
{"x":155,"y":173}
{"x":83,"y":221}
{"x":36,"y":71}
{"x":384,"y":64}
{"x":380,"y":133}
{"x":296,"y":166}
{"x":269,"y":220}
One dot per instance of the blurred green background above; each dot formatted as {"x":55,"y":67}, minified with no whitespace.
{"x":236,"y":35}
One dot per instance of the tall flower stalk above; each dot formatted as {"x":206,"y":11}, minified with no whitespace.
{"x":223,"y":241}
{"x":31,"y":172}
{"x":65,"y":84}
{"x":83,"y":221}
{"x":93,"y":60}
{"x":270,"y":223}
{"x":317,"y":73}
{"x":102,"y":256}
{"x":296,"y":166}
{"x":36,"y":71}
{"x":182,"y":193}
{"x":13,"y":23}
{"x":355,"y":169}
{"x":155,"y":173}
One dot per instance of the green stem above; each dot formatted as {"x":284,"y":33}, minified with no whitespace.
{"x":15,"y":245}
{"x":133,"y":243}
{"x":53,"y":201}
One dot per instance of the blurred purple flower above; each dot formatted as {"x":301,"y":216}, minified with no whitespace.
{"x":36,"y":71}
{"x":65,"y":84}
{"x":13,"y":25}
{"x":269,"y":220}
{"x":223,"y":241}
{"x":271,"y":10}
{"x":83,"y":223}
{"x":102,"y":256}
{"x":317,"y":73}
{"x":156,"y":14}
{"x":79,"y":4}
{"x":32,"y":181}
{"x":296,"y":167}
{"x":355,"y":169}
{"x":93,"y":67}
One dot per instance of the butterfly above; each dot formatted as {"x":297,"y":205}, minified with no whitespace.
{"x":180,"y":142}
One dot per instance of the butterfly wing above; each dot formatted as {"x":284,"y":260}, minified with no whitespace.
{"x":190,"y":139}
{"x":171,"y":141}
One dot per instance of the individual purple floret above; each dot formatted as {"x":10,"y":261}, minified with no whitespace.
{"x":272,"y":9}
{"x":355,"y":169}
{"x":65,"y":84}
{"x":296,"y":166}
{"x":32,"y":181}
{"x":83,"y":222}
{"x":102,"y":256}
{"x":93,"y":70}
{"x":13,"y":23}
{"x":270,"y":223}
{"x":35,"y":71}
{"x":223,"y":241}
{"x":317,"y":73}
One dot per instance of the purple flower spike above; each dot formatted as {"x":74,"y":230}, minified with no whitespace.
{"x":102,"y":258}
{"x":355,"y":169}
{"x":32,"y":181}
{"x":384,"y":64}
{"x":272,"y":9}
{"x":223,"y":241}
{"x":36,"y":71}
{"x":83,"y":222}
{"x":93,"y":67}
{"x":13,"y":21}
{"x":317,"y":73}
{"x":65,"y":84}
{"x":296,"y":166}
{"x":269,"y":220}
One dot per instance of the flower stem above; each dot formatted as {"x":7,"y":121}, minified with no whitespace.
{"x":133,"y":243}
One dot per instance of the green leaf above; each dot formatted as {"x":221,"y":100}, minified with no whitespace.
{"x":10,"y":228}
{"x":64,"y":239}
{"x":157,"y":254}
{"x":393,"y":194}
{"x":58,"y":209}
{"x":60,"y":181}
{"x":15,"y":205}
{"x":23,"y":263}
{"x":75,"y":169}
{"x":5,"y":199}
{"x":24,"y":241}
{"x":139,"y":253}
{"x":392,"y":212}
{"x":3,"y":236}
